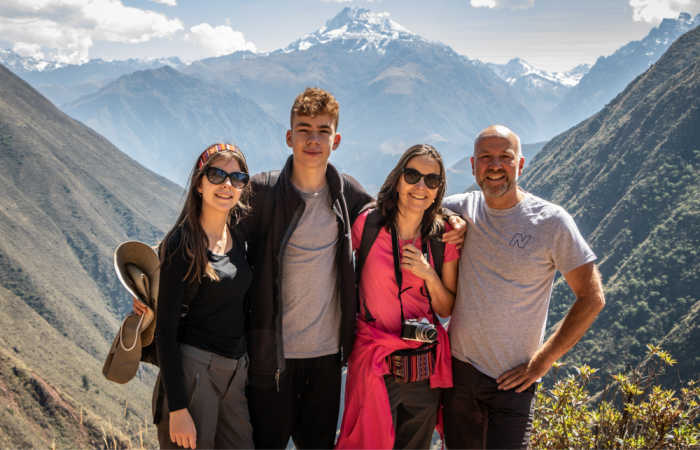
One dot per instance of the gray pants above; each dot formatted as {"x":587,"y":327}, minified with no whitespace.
{"x":218,"y":406}
{"x":414,"y":408}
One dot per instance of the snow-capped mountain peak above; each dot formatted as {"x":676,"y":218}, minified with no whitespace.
{"x":359,"y":28}
{"x":518,"y":68}
{"x":19,"y":63}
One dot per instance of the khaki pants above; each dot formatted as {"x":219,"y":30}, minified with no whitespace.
{"x":217,"y":402}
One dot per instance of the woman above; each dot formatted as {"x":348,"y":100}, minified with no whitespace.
{"x":200,"y":322}
{"x":392,"y":394}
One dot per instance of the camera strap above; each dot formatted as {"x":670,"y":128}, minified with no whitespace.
{"x":399,"y":276}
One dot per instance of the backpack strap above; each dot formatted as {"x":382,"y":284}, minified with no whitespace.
{"x":373,"y":224}
{"x":437,"y":249}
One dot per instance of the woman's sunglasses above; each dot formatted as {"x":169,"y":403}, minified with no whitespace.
{"x":412,"y":176}
{"x":217,"y":176}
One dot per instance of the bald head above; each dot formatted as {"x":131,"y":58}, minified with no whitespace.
{"x":502,"y":132}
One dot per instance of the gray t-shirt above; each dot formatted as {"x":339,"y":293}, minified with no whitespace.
{"x":310,"y":306}
{"x":506,"y":272}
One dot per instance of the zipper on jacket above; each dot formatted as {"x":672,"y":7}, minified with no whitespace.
{"x":277,"y":379}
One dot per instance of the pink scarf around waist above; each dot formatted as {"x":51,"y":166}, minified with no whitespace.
{"x":367,"y":421}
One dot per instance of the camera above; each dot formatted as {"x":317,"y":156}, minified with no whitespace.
{"x":419,"y":330}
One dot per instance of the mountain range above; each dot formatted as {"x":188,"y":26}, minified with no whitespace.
{"x":630,"y":175}
{"x":395,"y":88}
{"x":69,"y":197}
{"x":610,"y":74}
{"x":163,"y":119}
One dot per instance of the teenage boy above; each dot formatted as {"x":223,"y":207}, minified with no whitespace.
{"x":302,"y":300}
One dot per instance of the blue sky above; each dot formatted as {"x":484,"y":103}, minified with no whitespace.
{"x":551,"y":34}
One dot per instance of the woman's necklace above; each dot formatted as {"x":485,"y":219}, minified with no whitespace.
{"x":220,"y":245}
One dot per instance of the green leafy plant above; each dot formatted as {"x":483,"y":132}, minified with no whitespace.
{"x":631,"y":412}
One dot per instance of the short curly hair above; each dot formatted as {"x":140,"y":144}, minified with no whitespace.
{"x":313,"y":102}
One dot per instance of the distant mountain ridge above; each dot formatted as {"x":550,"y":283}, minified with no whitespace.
{"x":518,"y":68}
{"x":630,"y":175}
{"x":163,"y":119}
{"x":610,"y":74}
{"x":62,"y":83}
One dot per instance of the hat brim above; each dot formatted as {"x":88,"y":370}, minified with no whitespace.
{"x":146,"y":259}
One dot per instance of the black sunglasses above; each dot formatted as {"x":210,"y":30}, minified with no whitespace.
{"x":412,"y":176}
{"x":218,"y":176}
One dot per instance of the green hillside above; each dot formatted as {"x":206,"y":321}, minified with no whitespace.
{"x":630,"y":175}
{"x":69,"y":197}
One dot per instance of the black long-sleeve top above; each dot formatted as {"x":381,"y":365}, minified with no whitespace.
{"x":214,"y":320}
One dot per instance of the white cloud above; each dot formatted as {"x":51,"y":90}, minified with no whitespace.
{"x":219,"y":40}
{"x":166,"y":2}
{"x":512,"y":4}
{"x":393,"y":147}
{"x":28,"y":50}
{"x":64,"y":30}
{"x":653,"y":11}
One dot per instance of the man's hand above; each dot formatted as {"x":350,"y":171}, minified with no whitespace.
{"x":182,"y":430}
{"x":586,"y":284}
{"x":522,"y":376}
{"x":457,"y":233}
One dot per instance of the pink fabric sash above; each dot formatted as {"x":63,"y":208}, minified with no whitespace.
{"x":367,"y":421}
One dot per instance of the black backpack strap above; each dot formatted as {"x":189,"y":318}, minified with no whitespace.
{"x":373,"y":224}
{"x":437,"y":249}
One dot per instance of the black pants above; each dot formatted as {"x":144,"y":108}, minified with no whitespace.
{"x":478,"y":415}
{"x":414,"y":408}
{"x":305,"y":408}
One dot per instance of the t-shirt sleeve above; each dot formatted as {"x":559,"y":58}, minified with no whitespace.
{"x":570,"y":249}
{"x":455,"y":203}
{"x":357,"y":228}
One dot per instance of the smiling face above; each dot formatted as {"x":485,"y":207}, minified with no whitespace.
{"x":496,"y":165}
{"x":220,"y":197}
{"x":312,"y":139}
{"x":417,"y":197}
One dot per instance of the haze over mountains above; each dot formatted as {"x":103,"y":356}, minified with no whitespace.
{"x":164,"y":118}
{"x":610,"y":74}
{"x":395,"y":88}
{"x":630,"y":175}
{"x":69,"y":197}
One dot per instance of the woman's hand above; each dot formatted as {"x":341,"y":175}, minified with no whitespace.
{"x":138,"y":306}
{"x":182,"y":430}
{"x":413,"y":260}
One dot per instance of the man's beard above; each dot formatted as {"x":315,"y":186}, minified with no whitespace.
{"x":496,"y":191}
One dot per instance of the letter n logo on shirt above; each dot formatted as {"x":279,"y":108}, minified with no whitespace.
{"x":520,"y":239}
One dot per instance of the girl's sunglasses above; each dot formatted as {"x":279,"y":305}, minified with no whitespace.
{"x":412,"y":176}
{"x":217,"y":176}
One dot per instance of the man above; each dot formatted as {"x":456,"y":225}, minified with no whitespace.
{"x":515,"y":243}
{"x":303,"y":303}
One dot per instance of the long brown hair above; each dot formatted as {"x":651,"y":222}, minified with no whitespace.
{"x":193,"y":241}
{"x":432,"y":223}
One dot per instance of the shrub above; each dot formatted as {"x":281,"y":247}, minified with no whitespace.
{"x":631,"y":412}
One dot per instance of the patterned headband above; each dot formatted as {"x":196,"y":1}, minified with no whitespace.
{"x":212,"y":149}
